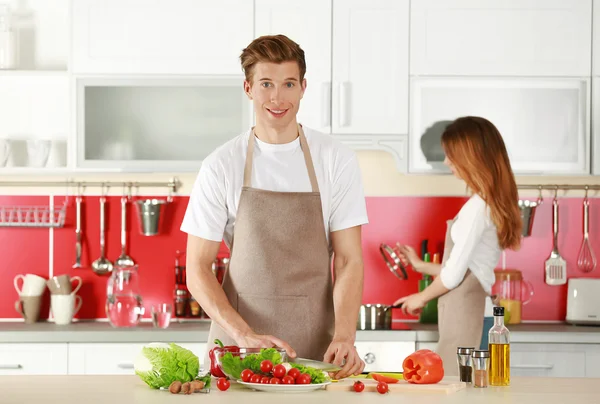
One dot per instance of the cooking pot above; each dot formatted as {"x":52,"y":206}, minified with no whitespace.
{"x":375,"y":317}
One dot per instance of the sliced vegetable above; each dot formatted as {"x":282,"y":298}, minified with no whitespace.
{"x":383,"y":378}
{"x":423,"y":367}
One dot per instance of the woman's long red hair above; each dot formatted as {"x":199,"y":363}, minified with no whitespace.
{"x":477,"y":151}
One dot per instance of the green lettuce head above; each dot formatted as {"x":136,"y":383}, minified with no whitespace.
{"x":159,"y":365}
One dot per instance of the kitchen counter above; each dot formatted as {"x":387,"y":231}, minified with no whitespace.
{"x":45,"y":332}
{"x":130,"y":389}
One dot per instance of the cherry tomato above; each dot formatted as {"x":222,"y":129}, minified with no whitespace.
{"x":223,"y":384}
{"x":266,"y":366}
{"x":303,"y":379}
{"x":279,"y":371}
{"x":288,"y":380}
{"x":294,"y":373}
{"x":275,"y":380}
{"x":359,"y":386}
{"x":255,"y":379}
{"x":247,"y":375}
{"x":265,"y":380}
{"x":382,"y":387}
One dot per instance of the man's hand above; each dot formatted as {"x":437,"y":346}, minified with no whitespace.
{"x":252,"y":340}
{"x":340,"y":351}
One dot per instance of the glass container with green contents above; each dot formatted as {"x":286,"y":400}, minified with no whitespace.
{"x":429,"y":315}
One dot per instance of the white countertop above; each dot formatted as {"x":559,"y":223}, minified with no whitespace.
{"x":130,"y":390}
{"x":45,"y":332}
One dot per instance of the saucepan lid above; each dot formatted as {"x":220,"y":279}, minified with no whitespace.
{"x":393,"y":261}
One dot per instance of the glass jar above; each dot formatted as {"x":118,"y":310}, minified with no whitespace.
{"x":512,"y":293}
{"x":195,"y":309}
{"x":181,"y":302}
{"x":124,"y":306}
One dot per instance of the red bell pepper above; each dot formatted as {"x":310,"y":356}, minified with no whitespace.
{"x":215,"y":370}
{"x":423,"y":367}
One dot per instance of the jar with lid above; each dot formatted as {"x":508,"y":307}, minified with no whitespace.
{"x":481,"y":363}
{"x":8,"y":46}
{"x":195,"y":309}
{"x":181,"y":302}
{"x":124,"y":306}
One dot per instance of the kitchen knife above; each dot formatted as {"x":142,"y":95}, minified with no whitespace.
{"x":327,"y":367}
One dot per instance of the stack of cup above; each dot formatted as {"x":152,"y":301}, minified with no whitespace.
{"x":30,"y":296}
{"x":64,"y":301}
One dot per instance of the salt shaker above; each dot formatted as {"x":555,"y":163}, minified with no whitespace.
{"x":465,"y":367}
{"x":481,"y":363}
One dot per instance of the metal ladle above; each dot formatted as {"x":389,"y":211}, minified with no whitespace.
{"x":124,"y":260}
{"x":587,"y":260}
{"x":102,"y":266}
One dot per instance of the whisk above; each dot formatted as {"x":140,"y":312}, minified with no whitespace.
{"x":587,"y":260}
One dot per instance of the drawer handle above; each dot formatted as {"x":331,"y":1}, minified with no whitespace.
{"x":370,"y":358}
{"x":532,"y":366}
{"x":125,"y":365}
{"x":10,"y":366}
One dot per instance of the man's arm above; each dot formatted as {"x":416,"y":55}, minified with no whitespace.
{"x":205,"y":287}
{"x":347,"y":297}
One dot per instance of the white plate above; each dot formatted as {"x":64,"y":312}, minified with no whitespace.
{"x":284,"y":388}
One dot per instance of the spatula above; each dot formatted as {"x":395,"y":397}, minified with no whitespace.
{"x":556,"y":266}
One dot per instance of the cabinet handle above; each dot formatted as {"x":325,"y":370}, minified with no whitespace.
{"x":125,"y":365}
{"x":326,"y":100}
{"x":344,"y":104}
{"x":10,"y":366}
{"x":532,"y":366}
{"x":370,"y":358}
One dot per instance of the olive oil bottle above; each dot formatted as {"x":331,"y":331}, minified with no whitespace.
{"x":499,"y":347}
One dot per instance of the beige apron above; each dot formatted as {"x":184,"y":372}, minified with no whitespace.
{"x":279,"y":277}
{"x":460,"y":314}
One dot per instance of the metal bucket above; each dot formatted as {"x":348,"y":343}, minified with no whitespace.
{"x":527,"y":214}
{"x":150,"y":214}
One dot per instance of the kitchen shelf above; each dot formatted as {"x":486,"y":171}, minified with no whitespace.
{"x":33,"y":216}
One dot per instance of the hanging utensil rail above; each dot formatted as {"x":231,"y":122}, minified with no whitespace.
{"x":174,"y":184}
{"x":563,"y":187}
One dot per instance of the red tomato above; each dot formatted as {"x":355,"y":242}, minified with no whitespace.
{"x":382,"y":388}
{"x":266,"y":366}
{"x":223,"y":384}
{"x":359,"y":386}
{"x":385,"y":379}
{"x":255,"y":379}
{"x":265,"y":380}
{"x":423,"y":367}
{"x":294,"y":373}
{"x":303,"y":379}
{"x":275,"y":380}
{"x":246,"y":375}
{"x":288,"y":380}
{"x":279,"y":371}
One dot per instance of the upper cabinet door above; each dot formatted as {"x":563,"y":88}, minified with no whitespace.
{"x":508,"y":37}
{"x":370,"y":66}
{"x":292,"y":18}
{"x":596,"y":42}
{"x":160,"y":36}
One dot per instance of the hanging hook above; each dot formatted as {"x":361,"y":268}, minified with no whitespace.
{"x":129,"y":191}
{"x":586,"y":193}
{"x":540,"y":196}
{"x":104,"y":189}
{"x":556,"y":192}
{"x":170,"y":195}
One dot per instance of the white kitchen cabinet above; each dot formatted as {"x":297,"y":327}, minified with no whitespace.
{"x":160,"y":36}
{"x":427,"y":345}
{"x":548,"y":360}
{"x":596,"y":41}
{"x":290,"y":18}
{"x":596,"y":123}
{"x":113,"y":358}
{"x":370,"y":67}
{"x":545,"y":123}
{"x":501,"y":38}
{"x":384,"y":356}
{"x":156,"y":124}
{"x":33,"y":359}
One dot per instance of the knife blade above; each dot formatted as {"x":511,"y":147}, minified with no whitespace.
{"x":327,"y":367}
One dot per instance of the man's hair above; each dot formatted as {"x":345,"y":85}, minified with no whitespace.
{"x":272,"y":49}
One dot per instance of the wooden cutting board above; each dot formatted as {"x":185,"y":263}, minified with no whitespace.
{"x":444,"y":387}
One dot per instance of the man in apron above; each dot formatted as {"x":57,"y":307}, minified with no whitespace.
{"x":286,"y":199}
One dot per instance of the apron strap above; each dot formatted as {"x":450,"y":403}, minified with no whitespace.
{"x":307,"y":159}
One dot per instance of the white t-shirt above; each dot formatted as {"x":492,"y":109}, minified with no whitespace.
{"x":214,"y":200}
{"x":475,"y":246}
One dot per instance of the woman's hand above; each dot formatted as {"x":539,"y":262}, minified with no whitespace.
{"x":412,"y":304}
{"x":409,"y":256}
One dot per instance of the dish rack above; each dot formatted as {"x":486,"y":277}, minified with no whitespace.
{"x":33,"y":216}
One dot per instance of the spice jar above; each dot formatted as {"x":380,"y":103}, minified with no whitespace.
{"x":181,"y":297}
{"x":465,"y":367}
{"x":195,"y":310}
{"x":481,"y":363}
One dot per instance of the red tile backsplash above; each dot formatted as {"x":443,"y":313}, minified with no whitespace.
{"x":392,"y":219}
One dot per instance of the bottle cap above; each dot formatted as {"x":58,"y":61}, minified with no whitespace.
{"x":465,"y":350}
{"x":481,"y":353}
{"x":498,"y":311}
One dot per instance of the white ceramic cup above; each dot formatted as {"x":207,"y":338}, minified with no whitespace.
{"x":33,"y":285}
{"x":4,"y":151}
{"x":64,"y":307}
{"x":38,"y":151}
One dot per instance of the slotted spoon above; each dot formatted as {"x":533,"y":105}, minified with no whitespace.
{"x":556,"y":266}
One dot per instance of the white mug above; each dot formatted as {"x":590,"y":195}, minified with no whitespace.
{"x":38,"y":151}
{"x":64,"y":307}
{"x":4,"y":151}
{"x":33,"y":285}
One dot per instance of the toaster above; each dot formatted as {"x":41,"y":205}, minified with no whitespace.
{"x":583,"y":301}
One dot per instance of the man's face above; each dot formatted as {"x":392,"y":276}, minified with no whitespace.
{"x":276,"y":92}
